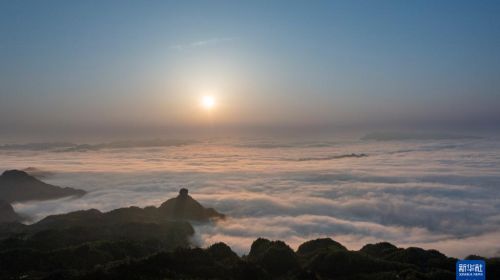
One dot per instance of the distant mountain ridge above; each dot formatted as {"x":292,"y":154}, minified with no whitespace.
{"x":19,"y":186}
{"x":401,"y":136}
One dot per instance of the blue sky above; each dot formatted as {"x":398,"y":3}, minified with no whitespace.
{"x":146,"y":63}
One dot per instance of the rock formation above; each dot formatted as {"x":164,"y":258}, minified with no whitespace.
{"x":184,"y":207}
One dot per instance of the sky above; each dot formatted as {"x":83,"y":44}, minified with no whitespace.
{"x":138,"y":65}
{"x":144,"y":67}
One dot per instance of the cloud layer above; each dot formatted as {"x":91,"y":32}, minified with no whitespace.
{"x":439,"y":194}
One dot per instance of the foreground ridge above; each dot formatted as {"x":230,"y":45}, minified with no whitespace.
{"x":118,"y":256}
{"x":156,"y":243}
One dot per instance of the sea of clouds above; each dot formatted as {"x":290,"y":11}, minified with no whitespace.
{"x":432,"y":193}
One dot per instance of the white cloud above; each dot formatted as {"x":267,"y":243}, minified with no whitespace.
{"x":434,"y":194}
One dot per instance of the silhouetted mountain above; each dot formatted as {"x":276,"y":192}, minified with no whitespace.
{"x":379,"y":250}
{"x":275,"y":257}
{"x":17,"y":185}
{"x":415,"y":256}
{"x":314,"y":246}
{"x":132,"y":223}
{"x":422,"y":258}
{"x":10,"y":229}
{"x":273,"y":260}
{"x":37,"y":254}
{"x":160,"y":251}
{"x":97,"y":218}
{"x":154,"y":243}
{"x":81,"y":240}
{"x":7,"y":214}
{"x":184,"y":207}
{"x":223,"y":253}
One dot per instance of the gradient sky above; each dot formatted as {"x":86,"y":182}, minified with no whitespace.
{"x":147,"y":63}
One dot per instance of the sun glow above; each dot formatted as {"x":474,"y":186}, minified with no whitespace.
{"x":208,"y":102}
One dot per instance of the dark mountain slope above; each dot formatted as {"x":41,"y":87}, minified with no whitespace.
{"x":7,"y":214}
{"x":16,"y":186}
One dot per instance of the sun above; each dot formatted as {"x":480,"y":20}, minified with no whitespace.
{"x":208,"y":102}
